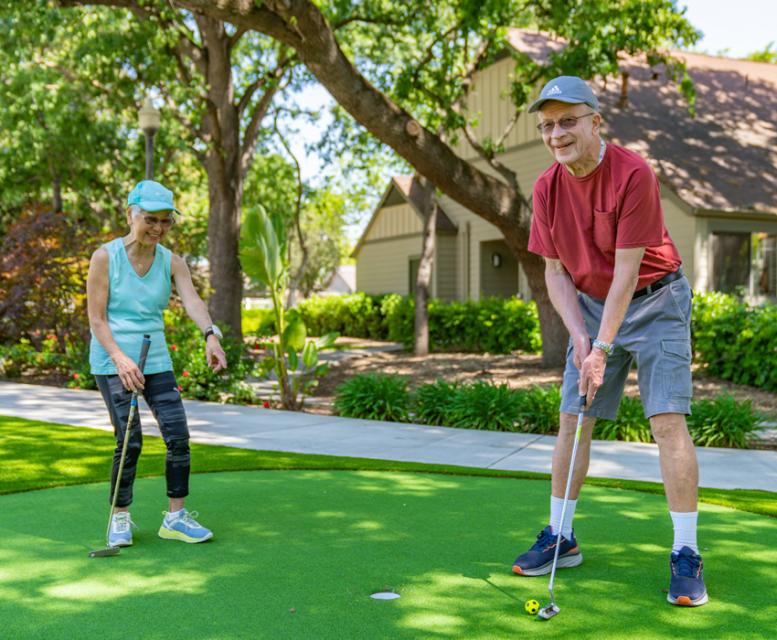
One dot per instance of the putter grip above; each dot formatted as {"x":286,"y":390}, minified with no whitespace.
{"x":582,"y":402}
{"x":144,"y":352}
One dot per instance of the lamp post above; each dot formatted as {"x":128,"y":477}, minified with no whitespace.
{"x":149,"y":119}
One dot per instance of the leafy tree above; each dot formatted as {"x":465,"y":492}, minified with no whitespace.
{"x":457,"y":38}
{"x":218,"y":82}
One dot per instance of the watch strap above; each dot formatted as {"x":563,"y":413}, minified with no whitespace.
{"x":604,"y":346}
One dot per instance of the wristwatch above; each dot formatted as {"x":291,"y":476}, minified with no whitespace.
{"x":213,"y":330}
{"x":604,"y":346}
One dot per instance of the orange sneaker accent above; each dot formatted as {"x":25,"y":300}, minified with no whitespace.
{"x":684,"y":601}
{"x":517,"y":569}
{"x":575,"y":550}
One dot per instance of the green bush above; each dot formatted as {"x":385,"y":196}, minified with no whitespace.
{"x":734,"y":341}
{"x":257,"y":322}
{"x":374,"y":396}
{"x":631,"y":425}
{"x":539,"y":408}
{"x":432,"y":402}
{"x":723,"y":422}
{"x":357,"y":315}
{"x":484,"y":405}
{"x":491,"y":325}
{"x":195,"y":378}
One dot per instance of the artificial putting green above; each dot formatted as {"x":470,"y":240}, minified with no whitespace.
{"x":297,"y":553}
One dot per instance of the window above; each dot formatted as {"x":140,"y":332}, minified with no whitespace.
{"x":765,"y":265}
{"x":745,"y":264}
{"x":731,"y":262}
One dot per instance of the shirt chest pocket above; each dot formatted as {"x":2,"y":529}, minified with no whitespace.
{"x":604,"y":230}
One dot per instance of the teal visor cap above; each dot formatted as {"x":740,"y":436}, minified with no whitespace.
{"x":151,"y":196}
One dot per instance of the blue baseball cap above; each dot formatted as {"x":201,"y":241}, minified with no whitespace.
{"x":569,"y":89}
{"x":151,"y":196}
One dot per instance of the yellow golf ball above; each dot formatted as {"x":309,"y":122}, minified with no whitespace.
{"x":532,"y":607}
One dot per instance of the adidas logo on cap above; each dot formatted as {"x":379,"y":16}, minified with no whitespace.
{"x":554,"y":90}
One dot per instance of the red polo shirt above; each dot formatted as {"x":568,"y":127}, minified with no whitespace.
{"x":581,"y":221}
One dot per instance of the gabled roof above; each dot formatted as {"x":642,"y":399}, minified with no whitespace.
{"x":404,"y":190}
{"x":725,"y":159}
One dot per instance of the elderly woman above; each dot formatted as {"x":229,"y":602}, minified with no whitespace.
{"x":128,"y":287}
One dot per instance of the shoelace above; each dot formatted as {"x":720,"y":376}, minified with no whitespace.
{"x":187,"y":518}
{"x":687,"y":565}
{"x":121,"y":522}
{"x":545,"y":538}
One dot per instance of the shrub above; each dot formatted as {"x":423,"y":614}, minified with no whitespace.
{"x":257,"y":322}
{"x":539,"y":408}
{"x":723,"y":422}
{"x":195,"y":378}
{"x":44,"y":258}
{"x":374,"y":396}
{"x":483,"y":405}
{"x":631,"y":425}
{"x":357,"y":315}
{"x":432,"y":402}
{"x":734,"y":341}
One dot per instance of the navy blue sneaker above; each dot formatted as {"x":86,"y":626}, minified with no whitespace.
{"x":686,"y":587}
{"x":537,"y":561}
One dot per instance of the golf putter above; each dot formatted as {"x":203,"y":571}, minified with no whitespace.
{"x":109,"y":550}
{"x":546,"y":613}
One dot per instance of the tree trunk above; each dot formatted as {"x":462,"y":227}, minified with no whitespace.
{"x":427,"y":205}
{"x":225,"y":184}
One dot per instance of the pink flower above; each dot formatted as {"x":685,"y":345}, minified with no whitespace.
{"x":266,"y":404}
{"x":185,"y":374}
{"x":51,"y":336}
{"x":180,"y":388}
{"x":76,"y":376}
{"x":174,"y":347}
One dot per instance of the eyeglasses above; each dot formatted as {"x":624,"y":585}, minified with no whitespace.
{"x":566,"y":123}
{"x":165,"y":223}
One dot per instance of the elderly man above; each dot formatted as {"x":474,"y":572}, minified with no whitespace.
{"x":613,"y":274}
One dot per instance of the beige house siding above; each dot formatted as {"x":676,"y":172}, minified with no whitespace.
{"x":399,"y":220}
{"x":682,"y":229}
{"x":490,"y":102}
{"x":383,"y":266}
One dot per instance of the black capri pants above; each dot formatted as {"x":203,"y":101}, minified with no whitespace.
{"x":162,"y":396}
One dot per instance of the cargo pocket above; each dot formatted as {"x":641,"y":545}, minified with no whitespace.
{"x":604,"y":230}
{"x":676,"y":369}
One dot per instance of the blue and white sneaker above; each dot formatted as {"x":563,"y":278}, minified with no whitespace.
{"x":120,"y":533}
{"x":537,"y":561}
{"x":686,"y":587}
{"x":181,"y":525}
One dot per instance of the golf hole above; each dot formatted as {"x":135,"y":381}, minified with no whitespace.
{"x":384,"y":595}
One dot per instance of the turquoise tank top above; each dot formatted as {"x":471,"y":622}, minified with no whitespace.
{"x":135,"y":306}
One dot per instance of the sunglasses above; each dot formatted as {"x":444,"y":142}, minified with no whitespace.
{"x":566,"y":123}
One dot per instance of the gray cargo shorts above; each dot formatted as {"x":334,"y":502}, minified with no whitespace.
{"x":656,"y":334}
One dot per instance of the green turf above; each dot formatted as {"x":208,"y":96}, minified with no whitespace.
{"x":38,"y":455}
{"x":297,"y":553}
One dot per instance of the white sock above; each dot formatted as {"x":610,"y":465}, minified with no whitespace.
{"x":172,"y":515}
{"x":555,"y":516}
{"x":684,"y":530}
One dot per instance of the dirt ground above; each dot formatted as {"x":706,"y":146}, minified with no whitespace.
{"x":518,"y":371}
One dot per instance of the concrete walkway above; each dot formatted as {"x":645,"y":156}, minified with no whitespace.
{"x":265,"y":429}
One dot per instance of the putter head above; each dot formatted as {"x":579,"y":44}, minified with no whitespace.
{"x":546,"y":613}
{"x":104,"y":553}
